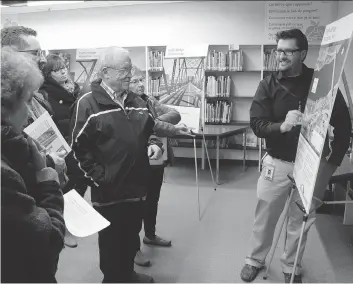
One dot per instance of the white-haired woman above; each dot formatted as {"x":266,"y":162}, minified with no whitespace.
{"x":32,"y":224}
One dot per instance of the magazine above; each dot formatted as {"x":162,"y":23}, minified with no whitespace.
{"x":46,"y":133}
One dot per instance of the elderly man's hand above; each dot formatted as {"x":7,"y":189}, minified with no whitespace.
{"x":154,"y":152}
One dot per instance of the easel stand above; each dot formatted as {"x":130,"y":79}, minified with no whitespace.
{"x":305,"y":219}
{"x":196,"y":170}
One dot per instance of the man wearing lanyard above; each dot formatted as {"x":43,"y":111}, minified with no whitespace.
{"x":275,"y":115}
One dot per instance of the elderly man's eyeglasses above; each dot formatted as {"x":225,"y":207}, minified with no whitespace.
{"x":35,"y":52}
{"x":288,"y":52}
{"x":121,"y":70}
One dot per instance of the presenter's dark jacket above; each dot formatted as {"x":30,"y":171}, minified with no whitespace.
{"x":32,"y":225}
{"x":271,"y":104}
{"x":110,"y":143}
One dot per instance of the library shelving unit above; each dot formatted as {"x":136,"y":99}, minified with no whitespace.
{"x":156,"y":83}
{"x":232,"y":76}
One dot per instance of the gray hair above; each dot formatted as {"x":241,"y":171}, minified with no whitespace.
{"x":19,"y":75}
{"x":114,"y":57}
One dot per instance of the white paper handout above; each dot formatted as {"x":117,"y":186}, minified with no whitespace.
{"x":80,"y":218}
{"x":47,"y":134}
{"x":190,"y":116}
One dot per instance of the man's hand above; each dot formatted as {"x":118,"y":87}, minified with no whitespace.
{"x":154,"y":152}
{"x":293,"y":118}
{"x":183,"y":129}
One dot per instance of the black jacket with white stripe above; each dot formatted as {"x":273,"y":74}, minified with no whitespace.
{"x":110,"y":144}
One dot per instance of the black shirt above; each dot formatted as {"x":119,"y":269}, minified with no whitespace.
{"x":275,"y":96}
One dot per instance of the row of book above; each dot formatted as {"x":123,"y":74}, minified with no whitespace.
{"x":224,"y":143}
{"x":154,"y":85}
{"x":218,"y":112}
{"x":270,"y":62}
{"x":225,"y":61}
{"x":218,"y":86}
{"x":156,"y":59}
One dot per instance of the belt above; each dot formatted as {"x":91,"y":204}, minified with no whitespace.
{"x":100,"y":204}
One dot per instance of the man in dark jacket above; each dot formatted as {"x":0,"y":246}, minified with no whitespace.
{"x":111,"y":142}
{"x":274,"y":115}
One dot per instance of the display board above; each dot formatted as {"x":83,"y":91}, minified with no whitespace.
{"x":315,"y":123}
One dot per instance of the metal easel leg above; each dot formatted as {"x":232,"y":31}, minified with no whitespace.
{"x":197,"y":180}
{"x":209,"y":162}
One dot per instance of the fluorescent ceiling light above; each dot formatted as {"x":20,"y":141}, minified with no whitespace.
{"x":4,"y":6}
{"x":41,"y":3}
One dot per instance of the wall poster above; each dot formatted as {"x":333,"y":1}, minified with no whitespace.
{"x":310,"y":17}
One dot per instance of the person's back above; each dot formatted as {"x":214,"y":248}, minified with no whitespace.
{"x":32,"y":224}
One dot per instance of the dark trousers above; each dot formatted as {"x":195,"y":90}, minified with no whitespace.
{"x":151,"y":203}
{"x":117,"y":245}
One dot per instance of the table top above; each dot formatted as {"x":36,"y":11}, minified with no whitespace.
{"x":212,"y":131}
{"x":223,"y":130}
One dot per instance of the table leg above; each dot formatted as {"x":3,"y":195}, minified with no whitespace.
{"x":244,"y":150}
{"x":217,"y":160}
{"x":202,"y":156}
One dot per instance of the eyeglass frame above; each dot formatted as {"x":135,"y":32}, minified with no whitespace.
{"x":120,"y":70}
{"x":286,"y":52}
{"x":39,"y":52}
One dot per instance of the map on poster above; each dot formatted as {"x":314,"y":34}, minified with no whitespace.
{"x":322,"y":94}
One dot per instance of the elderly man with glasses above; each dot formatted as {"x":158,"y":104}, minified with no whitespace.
{"x":111,"y":142}
{"x":275,"y":115}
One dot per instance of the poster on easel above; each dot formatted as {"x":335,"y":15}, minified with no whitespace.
{"x":322,"y":94}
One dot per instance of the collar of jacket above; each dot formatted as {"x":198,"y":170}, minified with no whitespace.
{"x":306,"y":72}
{"x":103,"y":98}
{"x":53,"y":88}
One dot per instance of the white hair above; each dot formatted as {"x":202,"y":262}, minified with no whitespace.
{"x":114,"y":57}
{"x":19,"y":74}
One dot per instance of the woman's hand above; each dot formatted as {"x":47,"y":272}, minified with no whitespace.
{"x":38,"y":158}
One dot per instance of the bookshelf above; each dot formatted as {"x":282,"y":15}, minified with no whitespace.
{"x":156,"y":84}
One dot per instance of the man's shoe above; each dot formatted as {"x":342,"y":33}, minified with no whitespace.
{"x":157,"y":241}
{"x":249,"y":272}
{"x":297,"y":278}
{"x":141,"y":260}
{"x":141,"y":278}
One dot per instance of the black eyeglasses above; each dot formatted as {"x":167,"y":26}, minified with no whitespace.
{"x":288,"y":52}
{"x":59,"y":69}
{"x":35,"y":52}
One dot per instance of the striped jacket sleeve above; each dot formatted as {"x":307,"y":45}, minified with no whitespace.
{"x":165,"y":120}
{"x":83,"y":131}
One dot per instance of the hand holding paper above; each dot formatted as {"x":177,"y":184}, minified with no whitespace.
{"x":38,"y":158}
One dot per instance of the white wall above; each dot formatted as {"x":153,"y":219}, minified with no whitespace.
{"x":220,"y":22}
